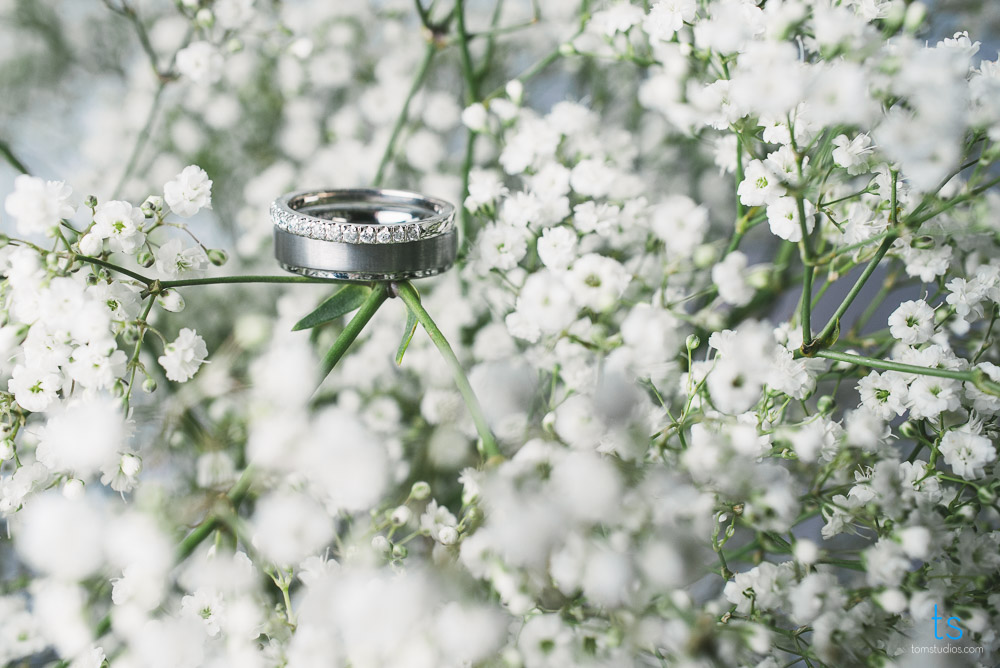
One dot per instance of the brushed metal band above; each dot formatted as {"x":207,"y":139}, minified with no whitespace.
{"x":362,"y":215}
{"x":365,"y":262}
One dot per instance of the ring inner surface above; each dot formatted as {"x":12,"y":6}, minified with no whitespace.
{"x":363,"y":212}
{"x":384,"y":210}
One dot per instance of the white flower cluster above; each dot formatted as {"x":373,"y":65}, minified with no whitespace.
{"x":727,"y":298}
{"x":66,"y":326}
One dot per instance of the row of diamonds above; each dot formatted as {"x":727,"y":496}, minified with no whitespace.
{"x":305,"y":226}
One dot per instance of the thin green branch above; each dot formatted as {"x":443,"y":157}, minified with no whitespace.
{"x":195,"y":538}
{"x":974,"y":376}
{"x":378,"y":295}
{"x":805,"y":245}
{"x":805,"y":251}
{"x":215,"y":280}
{"x":208,"y":280}
{"x":834,"y":322}
{"x":412,"y":300}
{"x":826,"y":258}
{"x":914,"y":222}
{"x":12,"y":160}
{"x":418,"y":83}
{"x":140,"y":141}
{"x":126,"y":11}
{"x":112,"y":267}
{"x":888,"y":285}
{"x":829,"y":333}
{"x":535,"y":69}
{"x":241,"y":488}
{"x":134,"y":361}
{"x":491,"y":39}
{"x":738,"y":230}
{"x":468,"y":70}
{"x":424,"y":14}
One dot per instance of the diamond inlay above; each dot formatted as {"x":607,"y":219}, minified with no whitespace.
{"x":319,"y":226}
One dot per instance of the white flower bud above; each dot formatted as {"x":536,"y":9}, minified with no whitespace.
{"x":130,"y":465}
{"x":515,"y":91}
{"x":892,"y":601}
{"x":6,"y":449}
{"x":475,"y":117}
{"x":759,"y":278}
{"x":447,"y":535}
{"x":152,"y":206}
{"x":916,"y":541}
{"x":73,"y":488}
{"x":704,"y":256}
{"x":204,"y":17}
{"x":401,"y":515}
{"x":381,"y":544}
{"x":420,"y":490}
{"x":915,"y":15}
{"x":301,"y":48}
{"x":806,"y":552}
{"x":170,"y":300}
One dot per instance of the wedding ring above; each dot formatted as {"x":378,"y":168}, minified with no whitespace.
{"x":362,"y":216}
{"x":364,"y":234}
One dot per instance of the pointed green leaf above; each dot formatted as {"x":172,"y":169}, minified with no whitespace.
{"x":347,"y":299}
{"x":411,"y":327}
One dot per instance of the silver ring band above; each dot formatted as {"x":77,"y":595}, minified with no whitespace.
{"x":365,"y":262}
{"x":362,"y":216}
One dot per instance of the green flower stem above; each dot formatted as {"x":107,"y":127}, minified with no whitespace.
{"x":468,"y":70}
{"x":140,"y":140}
{"x":538,"y":66}
{"x":914,"y":221}
{"x":134,"y":362}
{"x":11,"y":159}
{"x":805,"y":306}
{"x":125,"y":10}
{"x":241,"y":488}
{"x":412,"y":300}
{"x":215,"y":280}
{"x":209,"y":280}
{"x":418,"y":83}
{"x":379,"y":293}
{"x":738,"y":228}
{"x":805,"y":247}
{"x":424,"y":14}
{"x":472,"y":95}
{"x":111,"y":266}
{"x":834,"y":322}
{"x":826,"y":258}
{"x":888,"y":285}
{"x":195,"y":538}
{"x":845,"y":198}
{"x":826,"y":337}
{"x":972,"y":376}
{"x":464,"y":217}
